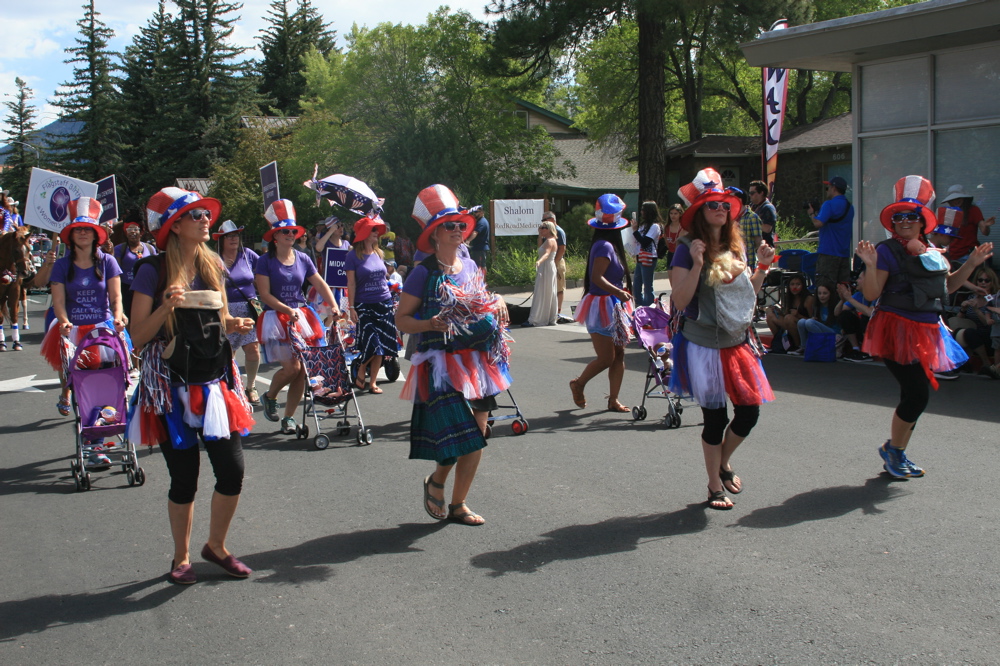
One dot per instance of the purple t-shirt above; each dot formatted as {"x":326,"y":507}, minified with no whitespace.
{"x":417,"y":278}
{"x":887,"y":262}
{"x":127,"y":258}
{"x":614,"y":272}
{"x":682,"y":259}
{"x":287,"y":281}
{"x":240,"y":287}
{"x":463,"y":251}
{"x":370,"y":282}
{"x":86,"y":296}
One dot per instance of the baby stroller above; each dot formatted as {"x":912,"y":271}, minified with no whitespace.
{"x":329,"y":386}
{"x":652,"y":325}
{"x":97,"y":372}
{"x":519,"y":425}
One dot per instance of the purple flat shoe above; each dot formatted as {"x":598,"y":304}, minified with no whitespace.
{"x":233,"y":566}
{"x":182,"y":575}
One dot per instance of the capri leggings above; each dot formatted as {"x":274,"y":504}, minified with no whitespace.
{"x":914,"y":390}
{"x":226,"y":456}
{"x":716,"y":420}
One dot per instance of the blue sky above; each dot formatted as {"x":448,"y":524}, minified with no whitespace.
{"x":37,"y":32}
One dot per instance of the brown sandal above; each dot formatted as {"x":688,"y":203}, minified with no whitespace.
{"x":617,"y":407}
{"x":578,"y":398}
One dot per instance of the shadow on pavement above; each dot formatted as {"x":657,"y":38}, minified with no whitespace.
{"x":24,"y":616}
{"x":44,"y":424}
{"x":615,"y":535}
{"x":310,"y":561}
{"x":825,"y":503}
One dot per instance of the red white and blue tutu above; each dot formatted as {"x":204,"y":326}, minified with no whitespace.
{"x":273,"y":333}
{"x":467,"y":371}
{"x":164,"y":412}
{"x":710,"y":375}
{"x":897,"y":338}
{"x":58,"y":350}
{"x":606,"y":315}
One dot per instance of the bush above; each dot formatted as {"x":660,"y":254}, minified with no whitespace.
{"x":514,"y":261}
{"x":788,"y":229}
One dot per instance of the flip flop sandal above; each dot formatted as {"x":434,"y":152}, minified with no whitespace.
{"x":463,"y":518}
{"x":729,"y":476}
{"x":17,"y":346}
{"x":439,"y":503}
{"x":375,"y":390}
{"x":617,"y":407}
{"x":718,"y":496}
{"x":64,"y":407}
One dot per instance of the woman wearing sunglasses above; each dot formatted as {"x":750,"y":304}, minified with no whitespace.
{"x":461,"y":361}
{"x":910,"y":280}
{"x":715,"y":294}
{"x":977,"y":310}
{"x":606,"y":307}
{"x":204,"y":403}
{"x":280,"y":274}
{"x":371,"y":303}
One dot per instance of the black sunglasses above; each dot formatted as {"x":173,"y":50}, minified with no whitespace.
{"x":716,"y":205}
{"x":197,"y":215}
{"x":905,"y":217}
{"x":983,"y":279}
{"x":451,"y":226}
{"x":285,"y":232}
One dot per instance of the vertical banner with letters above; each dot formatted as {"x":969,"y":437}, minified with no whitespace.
{"x":269,"y":183}
{"x":107,"y":194}
{"x":775,"y":98}
{"x":49,"y":194}
{"x":335,"y":267}
{"x":517,"y":217}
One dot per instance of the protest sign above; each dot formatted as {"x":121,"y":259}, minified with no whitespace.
{"x":49,"y":194}
{"x":269,"y":183}
{"x":517,"y":217}
{"x":107,"y":194}
{"x":334,"y":267}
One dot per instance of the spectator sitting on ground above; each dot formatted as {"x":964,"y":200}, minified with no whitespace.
{"x":824,"y":319}
{"x":976,"y":309}
{"x":797,"y":303}
{"x":853,"y":312}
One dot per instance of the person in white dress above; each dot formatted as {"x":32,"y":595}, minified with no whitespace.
{"x":544,"y":305}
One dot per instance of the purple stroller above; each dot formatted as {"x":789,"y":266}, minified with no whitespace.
{"x":98,"y":375}
{"x":652,"y":325}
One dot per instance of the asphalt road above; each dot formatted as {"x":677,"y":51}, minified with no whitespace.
{"x":597,"y":547}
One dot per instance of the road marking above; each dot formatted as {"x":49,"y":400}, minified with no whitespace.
{"x":26,"y":384}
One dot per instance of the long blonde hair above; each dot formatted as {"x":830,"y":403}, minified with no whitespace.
{"x":207,"y":265}
{"x":359,"y":249}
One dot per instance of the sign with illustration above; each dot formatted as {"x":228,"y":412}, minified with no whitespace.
{"x":49,"y":194}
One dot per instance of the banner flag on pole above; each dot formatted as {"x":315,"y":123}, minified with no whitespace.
{"x":107,"y":194}
{"x":775,"y":97}
{"x":49,"y":194}
{"x":269,"y":183}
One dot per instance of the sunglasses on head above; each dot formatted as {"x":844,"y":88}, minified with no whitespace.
{"x":904,"y":217}
{"x":451,"y":226}
{"x":285,"y":232}
{"x":197,"y":215}
{"x":716,"y":205}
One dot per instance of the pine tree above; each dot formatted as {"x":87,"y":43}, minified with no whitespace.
{"x":21,"y":123}
{"x":289,"y":37}
{"x":91,"y":99}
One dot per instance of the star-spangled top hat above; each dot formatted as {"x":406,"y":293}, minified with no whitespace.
{"x":706,"y":186}
{"x":169,"y":205}
{"x":911,"y":194}
{"x":434,"y":206}
{"x":608,"y":213}
{"x":281,"y":215}
{"x":85,"y":213}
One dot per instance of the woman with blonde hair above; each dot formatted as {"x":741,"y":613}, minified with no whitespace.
{"x":544,"y":306}
{"x":716,"y":294}
{"x":190,"y":388}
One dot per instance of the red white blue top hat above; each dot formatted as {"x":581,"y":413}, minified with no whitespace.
{"x":169,"y":205}
{"x":85,"y":213}
{"x":949,"y":221}
{"x":706,"y":186}
{"x":608,"y":213}
{"x":434,"y":206}
{"x":911,"y":194}
{"x":281,"y":215}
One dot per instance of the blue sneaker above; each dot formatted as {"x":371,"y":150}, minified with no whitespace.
{"x":915,"y":472}
{"x":893,"y":459}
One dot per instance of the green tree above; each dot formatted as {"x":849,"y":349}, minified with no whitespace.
{"x":91,"y":98}
{"x":284,"y":44}
{"x":20,"y":123}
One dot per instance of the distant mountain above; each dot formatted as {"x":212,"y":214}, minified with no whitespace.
{"x":43,"y":137}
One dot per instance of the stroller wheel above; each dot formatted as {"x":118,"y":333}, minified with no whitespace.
{"x":321,"y":442}
{"x":302,"y":432}
{"x":86,"y":480}
{"x":365,"y":437}
{"x":344,"y":430}
{"x":519,"y":427}
{"x":638,"y":413}
{"x":391,"y":367}
{"x":130,"y":477}
{"x":140,"y":476}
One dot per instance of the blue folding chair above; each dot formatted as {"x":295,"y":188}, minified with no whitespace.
{"x":791,"y":260}
{"x":808,"y":268}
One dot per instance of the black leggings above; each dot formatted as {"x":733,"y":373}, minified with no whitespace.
{"x":851,"y":323}
{"x":716,"y":420}
{"x":226,"y":456}
{"x":914,"y":390}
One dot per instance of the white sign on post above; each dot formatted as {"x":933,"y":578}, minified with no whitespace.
{"x":517,"y":217}
{"x":49,"y":194}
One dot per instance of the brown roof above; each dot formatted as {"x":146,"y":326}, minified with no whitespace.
{"x":826,"y":133}
{"x":712,"y":145}
{"x":268,"y":122}
{"x":595,"y":168}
